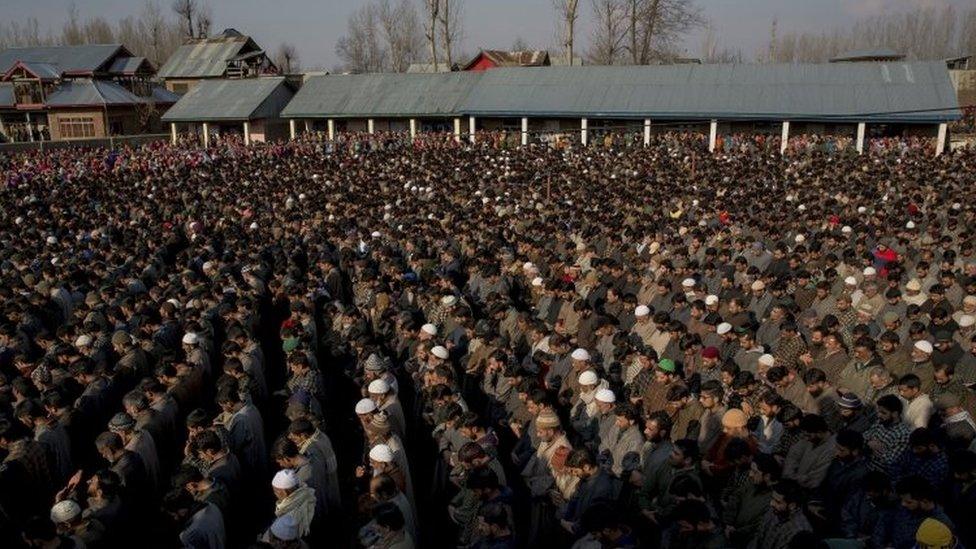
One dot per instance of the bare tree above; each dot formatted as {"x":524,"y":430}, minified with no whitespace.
{"x":655,"y":27}
{"x":452,"y":27}
{"x":606,"y":44}
{"x":204,"y":20}
{"x":519,"y":44}
{"x":287,"y":58}
{"x":402,"y":33}
{"x":361,"y":48}
{"x":186,"y":10}
{"x":71,"y":32}
{"x":568,"y":12}
{"x":712,"y":53}
{"x":923,"y":33}
{"x":432,"y":11}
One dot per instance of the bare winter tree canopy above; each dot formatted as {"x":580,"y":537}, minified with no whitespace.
{"x":432,"y":12}
{"x":186,"y":10}
{"x":286,"y":58}
{"x":383,"y":36}
{"x":609,"y":32}
{"x":567,"y":12}
{"x":924,"y":33}
{"x":452,"y":27}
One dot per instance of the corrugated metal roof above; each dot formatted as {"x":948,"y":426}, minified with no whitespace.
{"x":215,"y":100}
{"x":126,"y":65}
{"x":875,"y":53}
{"x":6,"y":94}
{"x":85,"y":91}
{"x":382,"y":95}
{"x":878,"y":92}
{"x":44,"y":71}
{"x":427,"y":68}
{"x":204,"y":58}
{"x":162,"y":95}
{"x":85,"y":58}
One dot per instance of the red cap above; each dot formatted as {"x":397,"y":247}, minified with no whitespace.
{"x":709,"y":352}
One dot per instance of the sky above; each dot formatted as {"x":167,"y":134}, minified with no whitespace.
{"x":315,"y":25}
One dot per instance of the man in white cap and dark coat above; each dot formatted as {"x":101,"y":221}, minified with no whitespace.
{"x":294,"y":499}
{"x":386,"y":401}
{"x":643,"y":326}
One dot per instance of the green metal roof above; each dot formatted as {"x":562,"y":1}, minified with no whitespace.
{"x":382,"y":95}
{"x":872,"y":92}
{"x":231,"y":100}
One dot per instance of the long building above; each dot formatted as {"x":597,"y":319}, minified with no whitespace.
{"x":830,"y":98}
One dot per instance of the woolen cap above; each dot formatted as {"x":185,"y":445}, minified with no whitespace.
{"x":365,"y":406}
{"x":588,"y":377}
{"x":547,"y":419}
{"x":285,"y":480}
{"x":378,"y":387}
{"x":581,"y":354}
{"x":642,"y":310}
{"x":734,"y":418}
{"x":924,"y":346}
{"x":606,"y":396}
{"x":381,"y":453}
{"x":440,"y":352}
{"x":65,"y":511}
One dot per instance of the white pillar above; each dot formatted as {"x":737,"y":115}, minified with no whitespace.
{"x":2,"y":129}
{"x":369,"y":126}
{"x":712,"y":134}
{"x":525,"y":131}
{"x":206,"y":135}
{"x":647,"y":132}
{"x":941,"y":139}
{"x":30,"y":131}
{"x":308,"y":126}
{"x":247,"y":133}
{"x":413,"y":128}
{"x":457,"y":130}
{"x":331,"y":129}
{"x":784,"y":139}
{"x":172,"y":132}
{"x":471,"y":127}
{"x":584,"y":137}
{"x":861,"y":127}
{"x":291,"y":128}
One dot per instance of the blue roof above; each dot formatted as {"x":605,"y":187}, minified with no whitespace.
{"x":84,"y":58}
{"x":86,"y":91}
{"x":845,"y":92}
{"x":45,"y":71}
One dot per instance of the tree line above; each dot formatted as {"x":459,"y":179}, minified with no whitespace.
{"x":922,"y":33}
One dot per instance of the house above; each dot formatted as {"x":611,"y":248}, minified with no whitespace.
{"x":77,"y":92}
{"x":493,"y":59}
{"x":229,"y":54}
{"x":248,"y":107}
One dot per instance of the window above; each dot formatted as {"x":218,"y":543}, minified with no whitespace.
{"x":28,"y":92}
{"x":180,"y":88}
{"x":76,"y":127}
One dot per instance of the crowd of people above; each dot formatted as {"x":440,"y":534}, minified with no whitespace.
{"x":391,"y":344}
